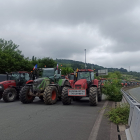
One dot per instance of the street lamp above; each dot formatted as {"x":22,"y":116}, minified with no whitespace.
{"x":85,"y":59}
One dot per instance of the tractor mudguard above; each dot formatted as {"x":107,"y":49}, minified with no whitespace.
{"x":30,"y":81}
{"x":95,"y":82}
{"x":63,"y":82}
{"x":8,"y":83}
{"x":45,"y":82}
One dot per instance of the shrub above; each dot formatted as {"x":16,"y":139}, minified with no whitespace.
{"x":112,"y":90}
{"x":119,"y":115}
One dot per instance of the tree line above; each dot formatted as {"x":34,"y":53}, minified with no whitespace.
{"x":12,"y":59}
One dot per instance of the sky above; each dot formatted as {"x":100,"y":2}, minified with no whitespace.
{"x":109,"y":30}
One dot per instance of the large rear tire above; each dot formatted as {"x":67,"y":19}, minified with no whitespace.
{"x":50,"y":95}
{"x":20,"y":93}
{"x":99,"y":94}
{"x":25,"y":98}
{"x":9,"y":95}
{"x":93,"y":98}
{"x":66,"y":100}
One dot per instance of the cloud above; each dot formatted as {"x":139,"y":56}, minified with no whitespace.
{"x":108,"y":30}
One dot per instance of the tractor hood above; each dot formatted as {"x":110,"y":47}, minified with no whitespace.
{"x":40,"y":84}
{"x":81,"y":84}
{"x":7,"y":81}
{"x":5,"y":84}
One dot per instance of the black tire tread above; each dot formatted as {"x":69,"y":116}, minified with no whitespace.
{"x":5,"y":93}
{"x":92,"y":96}
{"x":23,"y":96}
{"x":66,"y":100}
{"x":99,"y":94}
{"x":47,"y":95}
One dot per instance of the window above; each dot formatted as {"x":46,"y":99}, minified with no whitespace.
{"x":84,"y":75}
{"x":92,"y":76}
{"x":27,"y":76}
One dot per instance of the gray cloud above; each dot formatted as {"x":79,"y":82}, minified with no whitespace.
{"x":108,"y":30}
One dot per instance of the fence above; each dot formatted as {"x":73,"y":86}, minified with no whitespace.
{"x":133,"y":132}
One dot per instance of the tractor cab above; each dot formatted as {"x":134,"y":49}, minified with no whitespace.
{"x":71,"y":76}
{"x":11,"y":88}
{"x":84,"y":85}
{"x":20,"y":77}
{"x":51,"y":73}
{"x":86,"y":74}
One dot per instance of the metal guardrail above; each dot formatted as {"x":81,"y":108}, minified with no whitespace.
{"x":133,"y":132}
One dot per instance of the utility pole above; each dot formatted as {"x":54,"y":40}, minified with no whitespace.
{"x":129,"y":68}
{"x":85,"y":59}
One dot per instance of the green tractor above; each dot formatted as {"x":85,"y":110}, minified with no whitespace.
{"x":48,"y":87}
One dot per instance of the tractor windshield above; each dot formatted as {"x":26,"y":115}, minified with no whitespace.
{"x":71,"y":77}
{"x":48,"y":73}
{"x":14,"y":76}
{"x":84,"y":75}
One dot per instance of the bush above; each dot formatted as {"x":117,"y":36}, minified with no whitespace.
{"x":119,"y":115}
{"x":112,"y":89}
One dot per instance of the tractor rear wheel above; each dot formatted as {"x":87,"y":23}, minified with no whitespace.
{"x":66,"y":100}
{"x":99,"y":94}
{"x":93,"y":98}
{"x":9,"y":95}
{"x":20,"y":93}
{"x":50,"y":95}
{"x":24,"y":95}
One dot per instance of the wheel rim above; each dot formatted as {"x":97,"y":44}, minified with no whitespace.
{"x":11,"y":95}
{"x":54,"y":95}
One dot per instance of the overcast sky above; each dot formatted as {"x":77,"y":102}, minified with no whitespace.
{"x":109,"y":30}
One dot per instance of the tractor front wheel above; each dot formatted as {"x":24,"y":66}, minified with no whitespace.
{"x":66,"y":100}
{"x":99,"y":94}
{"x":50,"y":95}
{"x":25,"y":98}
{"x":9,"y":95}
{"x":93,"y":98}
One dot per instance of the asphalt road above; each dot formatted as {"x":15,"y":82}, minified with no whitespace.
{"x":37,"y":121}
{"x":135,"y":92}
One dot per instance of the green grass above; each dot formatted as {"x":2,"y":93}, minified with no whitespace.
{"x":119,"y":115}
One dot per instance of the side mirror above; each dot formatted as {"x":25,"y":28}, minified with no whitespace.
{"x":58,"y":71}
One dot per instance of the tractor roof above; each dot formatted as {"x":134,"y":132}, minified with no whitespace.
{"x":84,"y":70}
{"x":71,"y":73}
{"x":20,"y":72}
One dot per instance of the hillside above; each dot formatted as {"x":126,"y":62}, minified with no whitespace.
{"x":81,"y":65}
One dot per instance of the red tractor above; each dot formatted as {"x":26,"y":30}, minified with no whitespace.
{"x":83,"y":86}
{"x":9,"y":90}
{"x":102,"y":81}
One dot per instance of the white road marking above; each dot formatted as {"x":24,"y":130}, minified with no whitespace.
{"x":95,"y":129}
